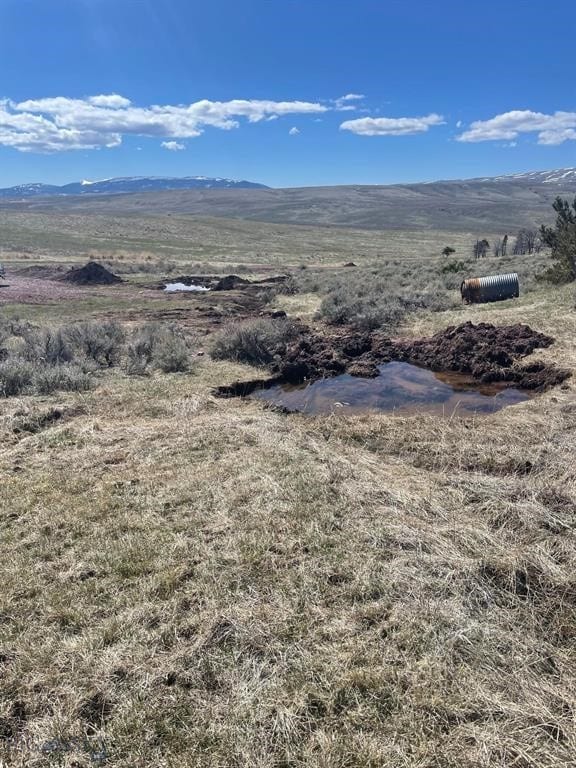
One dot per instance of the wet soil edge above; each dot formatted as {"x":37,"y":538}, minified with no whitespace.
{"x":485,"y":352}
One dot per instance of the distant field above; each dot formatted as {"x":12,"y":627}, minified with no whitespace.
{"x":28,"y":237}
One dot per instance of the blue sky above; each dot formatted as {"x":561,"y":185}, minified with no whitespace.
{"x":255,"y":89}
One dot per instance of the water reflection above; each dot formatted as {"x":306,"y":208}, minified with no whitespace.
{"x":400,"y":387}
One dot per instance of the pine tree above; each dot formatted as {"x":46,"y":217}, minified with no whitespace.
{"x":562,"y":240}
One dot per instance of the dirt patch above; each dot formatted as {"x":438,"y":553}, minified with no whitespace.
{"x":45,"y":272}
{"x":230,"y":282}
{"x":227,"y":283}
{"x":91,"y":274}
{"x":486,"y":352}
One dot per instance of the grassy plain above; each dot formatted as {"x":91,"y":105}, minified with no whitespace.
{"x":61,"y":237}
{"x":196,"y":582}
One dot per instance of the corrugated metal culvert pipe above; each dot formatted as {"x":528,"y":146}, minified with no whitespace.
{"x":492,"y":288}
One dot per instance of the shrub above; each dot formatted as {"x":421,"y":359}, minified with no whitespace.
{"x":163,"y":346}
{"x":98,"y":341}
{"x":70,"y":378}
{"x":48,"y":346}
{"x":255,"y":342}
{"x":171,"y":354}
{"x":453,"y":266}
{"x":16,"y":376}
{"x":365,"y":312}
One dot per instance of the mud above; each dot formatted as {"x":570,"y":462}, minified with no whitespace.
{"x":227,"y":283}
{"x":91,"y":274}
{"x":487,"y":353}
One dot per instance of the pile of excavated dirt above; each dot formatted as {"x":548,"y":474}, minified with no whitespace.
{"x":91,"y":274}
{"x":230,"y":282}
{"x":485,"y":352}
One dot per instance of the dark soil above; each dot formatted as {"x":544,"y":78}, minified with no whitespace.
{"x":485,"y":352}
{"x":229,"y":282}
{"x":91,"y":274}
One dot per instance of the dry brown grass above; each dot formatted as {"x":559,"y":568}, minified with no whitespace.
{"x":197,"y":582}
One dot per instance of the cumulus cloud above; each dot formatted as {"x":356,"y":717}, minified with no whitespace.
{"x":61,"y":123}
{"x":550,"y":129}
{"x":294,"y":131}
{"x":173,"y":146}
{"x":391,"y":126}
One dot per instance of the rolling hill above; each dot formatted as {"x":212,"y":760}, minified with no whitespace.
{"x":502,"y":203}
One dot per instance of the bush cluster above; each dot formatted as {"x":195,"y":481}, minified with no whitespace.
{"x":157,"y":346}
{"x":255,"y":342}
{"x":378,"y":297}
{"x":45,"y":360}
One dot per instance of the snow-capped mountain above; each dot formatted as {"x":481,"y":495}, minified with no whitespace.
{"x":561,"y":175}
{"x":126,"y":184}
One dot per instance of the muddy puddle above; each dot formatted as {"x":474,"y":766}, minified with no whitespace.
{"x":463,"y":369}
{"x":399,"y":388}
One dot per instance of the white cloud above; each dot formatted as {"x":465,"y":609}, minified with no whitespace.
{"x":113,"y":101}
{"x":459,"y":124}
{"x":294,"y":131}
{"x":550,"y":129}
{"x":391,"y":126}
{"x":60,"y":123}
{"x":343,"y":104}
{"x":173,"y":146}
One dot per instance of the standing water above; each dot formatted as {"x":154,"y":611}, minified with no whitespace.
{"x":182,"y":287}
{"x":400,"y":388}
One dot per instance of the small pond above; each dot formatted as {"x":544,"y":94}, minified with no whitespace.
{"x":400,"y":388}
{"x":178,"y":287}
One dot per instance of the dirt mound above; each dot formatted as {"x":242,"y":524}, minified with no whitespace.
{"x":485,"y":352}
{"x":229,"y":282}
{"x":41,"y":271}
{"x":91,"y":274}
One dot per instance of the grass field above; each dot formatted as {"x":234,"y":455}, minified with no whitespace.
{"x":197,"y":582}
{"x":68,"y":237}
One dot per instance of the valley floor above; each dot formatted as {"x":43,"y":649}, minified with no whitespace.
{"x":189,"y":581}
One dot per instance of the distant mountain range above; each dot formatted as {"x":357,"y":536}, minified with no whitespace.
{"x":495,"y":204}
{"x":125,"y":185}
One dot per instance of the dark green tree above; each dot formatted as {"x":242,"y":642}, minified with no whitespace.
{"x":448,"y":251}
{"x":561,"y":238}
